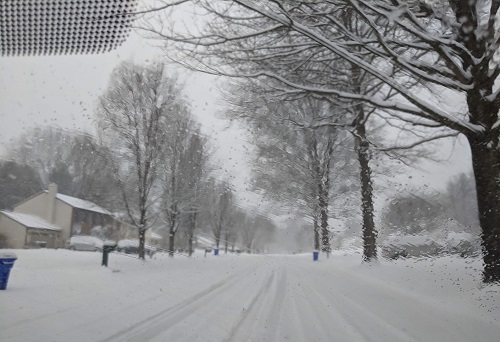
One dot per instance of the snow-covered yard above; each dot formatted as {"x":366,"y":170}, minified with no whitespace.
{"x":60,"y":295}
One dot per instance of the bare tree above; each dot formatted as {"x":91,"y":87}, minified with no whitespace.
{"x":70,"y":160}
{"x":254,"y":230}
{"x":17,"y":182}
{"x":220,"y":208}
{"x":443,"y":46}
{"x":132,"y":117}
{"x":295,"y":162}
{"x":47,"y":149}
{"x":320,"y":69}
{"x":185,"y":159}
{"x":196,"y":174}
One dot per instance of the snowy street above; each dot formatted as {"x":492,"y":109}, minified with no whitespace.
{"x":63,"y":295}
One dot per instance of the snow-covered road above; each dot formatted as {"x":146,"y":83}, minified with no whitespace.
{"x":62,"y":296}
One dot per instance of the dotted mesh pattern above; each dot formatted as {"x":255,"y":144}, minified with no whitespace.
{"x":50,"y":27}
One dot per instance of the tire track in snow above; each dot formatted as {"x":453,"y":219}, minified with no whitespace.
{"x":209,"y":316}
{"x":308,"y":316}
{"x":368,"y":323}
{"x":249,"y":310}
{"x":403,"y":316}
{"x":143,"y":327}
{"x":264,"y":311}
{"x":292,"y":309}
{"x":40,"y":317}
{"x":354,"y":314}
{"x":274,"y":316}
{"x":410,"y":315}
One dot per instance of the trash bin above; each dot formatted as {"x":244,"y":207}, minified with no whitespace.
{"x":216,"y":251}
{"x":106,"y":249}
{"x":6,"y":263}
{"x":315,"y":255}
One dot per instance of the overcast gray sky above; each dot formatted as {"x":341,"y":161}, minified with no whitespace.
{"x":62,"y":91}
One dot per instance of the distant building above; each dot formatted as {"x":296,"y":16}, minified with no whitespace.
{"x":154,"y":239}
{"x":23,"y":230}
{"x":55,"y":27}
{"x":52,"y":218}
{"x":128,"y":231}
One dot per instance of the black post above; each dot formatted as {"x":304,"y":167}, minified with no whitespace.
{"x":105,"y":256}
{"x":106,"y":249}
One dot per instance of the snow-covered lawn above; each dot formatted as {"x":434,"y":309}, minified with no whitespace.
{"x":60,"y":295}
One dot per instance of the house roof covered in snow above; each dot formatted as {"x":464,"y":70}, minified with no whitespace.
{"x":30,"y":221}
{"x":82,"y":204}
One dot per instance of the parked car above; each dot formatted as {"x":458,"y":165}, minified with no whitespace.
{"x":410,"y":246}
{"x":462,"y":243}
{"x":131,"y":246}
{"x":86,"y":243}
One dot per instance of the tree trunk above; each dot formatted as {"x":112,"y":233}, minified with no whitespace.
{"x":171,"y":243}
{"x":249,"y":248}
{"x":486,"y":165}
{"x":217,"y":240}
{"x":191,"y":229}
{"x":369,"y":232}
{"x":226,"y":237}
{"x":142,"y":239}
{"x":316,"y":233}
{"x":173,"y":216}
{"x":190,"y":244}
{"x":321,"y":196}
{"x":142,"y":234}
{"x":325,"y":234}
{"x":365,"y":173}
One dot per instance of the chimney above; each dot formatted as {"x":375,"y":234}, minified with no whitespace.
{"x":51,"y":202}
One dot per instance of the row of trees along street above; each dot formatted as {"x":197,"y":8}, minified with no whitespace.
{"x":144,"y":118}
{"x":150,"y":165}
{"x":294,"y":164}
{"x":386,"y":61}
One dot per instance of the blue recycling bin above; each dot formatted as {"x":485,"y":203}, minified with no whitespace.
{"x":216,"y":251}
{"x":7,"y":260}
{"x":315,"y":255}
